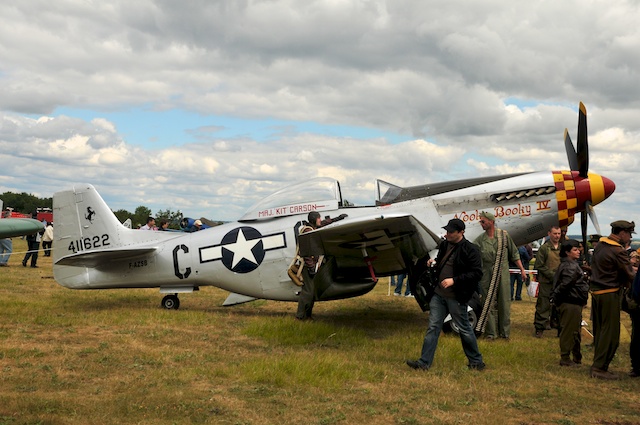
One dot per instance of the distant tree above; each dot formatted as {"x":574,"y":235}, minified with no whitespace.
{"x":140,"y":216}
{"x":172,"y":217}
{"x":25,"y":202}
{"x":123,"y":215}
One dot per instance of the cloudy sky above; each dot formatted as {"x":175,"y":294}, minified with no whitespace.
{"x":208,"y":106}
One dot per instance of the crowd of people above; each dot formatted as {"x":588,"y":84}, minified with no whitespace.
{"x":566,"y":277}
{"x":45,"y":237}
{"x":186,"y":225}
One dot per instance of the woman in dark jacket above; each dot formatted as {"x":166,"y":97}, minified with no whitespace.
{"x":569,"y":295}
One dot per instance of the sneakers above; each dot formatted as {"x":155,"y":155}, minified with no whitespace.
{"x":568,"y":363}
{"x":395,"y":294}
{"x":409,"y":296}
{"x":415,"y":364}
{"x":603,"y":374}
{"x":477,"y":366}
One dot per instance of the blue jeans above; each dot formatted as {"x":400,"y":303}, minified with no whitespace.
{"x":397,"y":281}
{"x":439,"y":307}
{"x":6,"y":248}
{"x":517,"y":279}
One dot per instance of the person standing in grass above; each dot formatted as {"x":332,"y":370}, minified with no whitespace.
{"x":634,"y":314}
{"x":307,"y":296}
{"x":33,"y":245}
{"x":569,"y":295}
{"x":610,"y":273}
{"x":6,"y":248}
{"x":459,"y":268}
{"x":47,"y":239}
{"x":547,"y":262}
{"x":497,"y":249}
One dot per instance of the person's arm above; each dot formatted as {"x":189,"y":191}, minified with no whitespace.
{"x":626,"y":271}
{"x":514,"y":256}
{"x":541,"y":263}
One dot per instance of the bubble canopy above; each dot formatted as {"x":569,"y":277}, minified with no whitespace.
{"x":318,"y":194}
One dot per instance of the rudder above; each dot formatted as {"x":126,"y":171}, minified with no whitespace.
{"x":82,"y":221}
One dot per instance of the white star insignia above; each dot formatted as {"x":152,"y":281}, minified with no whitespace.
{"x":241,"y":248}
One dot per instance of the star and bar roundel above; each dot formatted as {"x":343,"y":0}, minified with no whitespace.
{"x":242,"y":249}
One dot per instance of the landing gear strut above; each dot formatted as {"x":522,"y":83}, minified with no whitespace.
{"x":170,"y":302}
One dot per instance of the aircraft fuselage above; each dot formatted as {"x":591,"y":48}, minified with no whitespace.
{"x":251,"y":257}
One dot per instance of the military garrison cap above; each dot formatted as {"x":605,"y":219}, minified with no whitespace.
{"x":488,"y":216}
{"x":624,"y":225}
{"x":594,"y":238}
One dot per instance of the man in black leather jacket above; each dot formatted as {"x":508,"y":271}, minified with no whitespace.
{"x":459,"y":269}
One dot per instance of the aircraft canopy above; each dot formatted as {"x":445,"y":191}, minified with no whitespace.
{"x":319,"y":194}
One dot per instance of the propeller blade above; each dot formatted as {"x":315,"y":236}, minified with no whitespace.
{"x":583,"y":226}
{"x":592,"y":215}
{"x":583,"y":144}
{"x":571,"y":151}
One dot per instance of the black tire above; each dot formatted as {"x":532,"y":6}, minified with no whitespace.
{"x":170,"y":302}
{"x":473,"y":320}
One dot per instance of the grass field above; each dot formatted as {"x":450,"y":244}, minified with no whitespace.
{"x":116,"y":357}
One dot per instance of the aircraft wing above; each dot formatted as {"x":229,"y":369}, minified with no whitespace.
{"x":389,"y":242}
{"x":99,"y":258}
{"x":11,"y":227}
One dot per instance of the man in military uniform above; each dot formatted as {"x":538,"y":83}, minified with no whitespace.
{"x":547,"y":262}
{"x":610,"y":273}
{"x":497,"y":249}
{"x":307,"y":296}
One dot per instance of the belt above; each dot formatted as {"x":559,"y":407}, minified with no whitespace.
{"x":605,"y":291}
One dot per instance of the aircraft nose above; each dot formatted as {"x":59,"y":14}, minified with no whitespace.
{"x":595,"y":188}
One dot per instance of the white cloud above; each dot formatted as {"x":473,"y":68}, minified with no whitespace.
{"x":435,"y":73}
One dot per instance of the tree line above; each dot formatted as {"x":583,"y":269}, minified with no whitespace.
{"x":27,"y":203}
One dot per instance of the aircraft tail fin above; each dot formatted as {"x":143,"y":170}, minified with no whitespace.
{"x":82,"y":221}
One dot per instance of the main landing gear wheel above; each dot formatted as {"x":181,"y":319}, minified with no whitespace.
{"x":473,"y":320}
{"x":170,"y":302}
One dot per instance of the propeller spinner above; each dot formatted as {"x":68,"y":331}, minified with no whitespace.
{"x":591,"y":189}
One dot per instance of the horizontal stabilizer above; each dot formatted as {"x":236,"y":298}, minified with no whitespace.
{"x":97,"y":258}
{"x":235,"y":299}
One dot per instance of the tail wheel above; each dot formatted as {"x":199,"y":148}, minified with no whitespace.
{"x":171,"y":302}
{"x":473,"y":320}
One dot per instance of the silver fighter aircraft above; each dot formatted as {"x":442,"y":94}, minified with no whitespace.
{"x":250,"y":257}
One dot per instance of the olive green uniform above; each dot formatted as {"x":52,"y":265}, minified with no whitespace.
{"x":610,"y":271}
{"x":547,"y":262}
{"x":500,"y":312}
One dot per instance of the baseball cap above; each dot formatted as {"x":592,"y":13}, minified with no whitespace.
{"x":454,"y":225}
